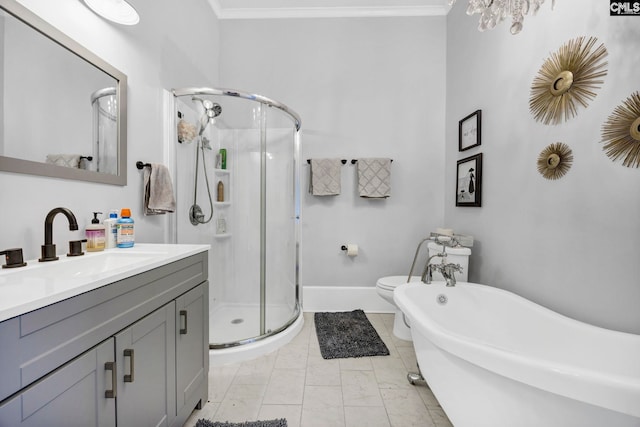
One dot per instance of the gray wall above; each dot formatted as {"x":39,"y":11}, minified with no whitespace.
{"x":571,"y":244}
{"x":174,"y":45}
{"x":364,"y":88}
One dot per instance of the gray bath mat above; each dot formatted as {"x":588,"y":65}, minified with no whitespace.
{"x":348,"y":334}
{"x":271,"y":423}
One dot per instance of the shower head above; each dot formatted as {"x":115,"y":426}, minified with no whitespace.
{"x":211,"y":111}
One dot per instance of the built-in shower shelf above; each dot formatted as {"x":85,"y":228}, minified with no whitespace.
{"x":222,"y":204}
{"x":222,"y":236}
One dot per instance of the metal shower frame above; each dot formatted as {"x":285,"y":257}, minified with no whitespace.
{"x":196,"y":91}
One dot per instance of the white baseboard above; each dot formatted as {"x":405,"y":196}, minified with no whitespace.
{"x":344,"y":298}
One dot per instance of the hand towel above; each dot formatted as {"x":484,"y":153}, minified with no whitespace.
{"x":158,"y":190}
{"x":374,"y":178}
{"x":325,"y":177}
{"x":66,"y":160}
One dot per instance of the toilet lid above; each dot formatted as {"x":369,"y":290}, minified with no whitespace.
{"x":391,"y":282}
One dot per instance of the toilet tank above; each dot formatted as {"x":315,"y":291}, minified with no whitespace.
{"x":459,"y":255}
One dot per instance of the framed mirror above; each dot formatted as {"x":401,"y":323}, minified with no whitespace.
{"x":63,"y":112}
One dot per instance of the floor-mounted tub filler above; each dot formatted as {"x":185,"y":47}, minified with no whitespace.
{"x":495,"y":359}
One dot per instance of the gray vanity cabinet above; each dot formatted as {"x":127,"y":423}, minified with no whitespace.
{"x":192,"y":350}
{"x":133,"y":353}
{"x":72,"y":396}
{"x":145,"y":359}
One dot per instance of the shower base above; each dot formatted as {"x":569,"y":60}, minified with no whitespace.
{"x":231,"y":323}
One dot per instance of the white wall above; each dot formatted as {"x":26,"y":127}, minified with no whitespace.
{"x":571,"y":244}
{"x":364,"y":88}
{"x":175,"y":45}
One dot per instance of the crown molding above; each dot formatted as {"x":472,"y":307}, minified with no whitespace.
{"x":326,"y":12}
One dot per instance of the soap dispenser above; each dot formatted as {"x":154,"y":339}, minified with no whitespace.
{"x":95,"y":234}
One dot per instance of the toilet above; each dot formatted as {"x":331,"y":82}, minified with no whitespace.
{"x":386,"y":285}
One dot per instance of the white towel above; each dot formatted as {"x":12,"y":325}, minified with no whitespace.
{"x":325,"y":177}
{"x":374,"y":178}
{"x":158,"y":190}
{"x":66,"y":160}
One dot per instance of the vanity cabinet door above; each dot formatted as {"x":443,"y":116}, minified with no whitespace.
{"x":145,"y":355}
{"x":73,"y":395}
{"x":192,"y":350}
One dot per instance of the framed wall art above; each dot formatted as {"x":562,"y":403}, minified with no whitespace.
{"x":469,"y":181}
{"x":469,"y":131}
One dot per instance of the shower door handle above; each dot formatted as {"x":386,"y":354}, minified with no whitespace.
{"x":183,"y":313}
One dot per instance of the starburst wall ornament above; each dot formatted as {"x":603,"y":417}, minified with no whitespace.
{"x":621,"y":132}
{"x":567,"y":78}
{"x":555,"y":160}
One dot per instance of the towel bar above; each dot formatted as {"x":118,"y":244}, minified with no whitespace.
{"x":343,"y":161}
{"x":141,"y":165}
{"x":354,"y":161}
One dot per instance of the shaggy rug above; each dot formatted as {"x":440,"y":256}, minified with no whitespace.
{"x":271,"y":423}
{"x":348,"y":334}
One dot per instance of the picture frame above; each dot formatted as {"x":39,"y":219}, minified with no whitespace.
{"x":469,"y":181}
{"x":469,"y":131}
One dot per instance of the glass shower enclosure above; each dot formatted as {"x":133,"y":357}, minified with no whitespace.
{"x":246,"y":206}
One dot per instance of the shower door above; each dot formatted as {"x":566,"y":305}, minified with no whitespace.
{"x":253,"y":264}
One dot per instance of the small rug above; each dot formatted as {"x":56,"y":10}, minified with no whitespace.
{"x":348,"y":334}
{"x":270,"y":423}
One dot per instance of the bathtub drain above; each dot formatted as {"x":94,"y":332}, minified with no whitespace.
{"x":237,"y":321}
{"x":442,"y":299}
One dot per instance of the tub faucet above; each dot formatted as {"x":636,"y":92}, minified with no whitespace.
{"x":48,"y":250}
{"x":448,"y":272}
{"x":427,"y":273}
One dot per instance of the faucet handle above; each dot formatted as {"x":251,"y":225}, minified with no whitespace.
{"x":455,"y":267}
{"x":75,"y":247}
{"x":13,"y":258}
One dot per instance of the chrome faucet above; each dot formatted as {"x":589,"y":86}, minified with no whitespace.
{"x":48,"y":250}
{"x":427,"y":273}
{"x":448,"y":272}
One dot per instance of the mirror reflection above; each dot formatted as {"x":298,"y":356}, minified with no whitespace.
{"x":59,"y":114}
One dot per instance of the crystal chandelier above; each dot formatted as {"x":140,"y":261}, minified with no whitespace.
{"x":493,"y":12}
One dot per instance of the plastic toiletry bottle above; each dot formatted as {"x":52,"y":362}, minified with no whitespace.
{"x":124,"y":229}
{"x":95,"y":234}
{"x":223,"y":158}
{"x":220,"y":197}
{"x":110,"y":229}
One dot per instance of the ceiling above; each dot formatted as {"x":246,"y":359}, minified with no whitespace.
{"x":265,"y":9}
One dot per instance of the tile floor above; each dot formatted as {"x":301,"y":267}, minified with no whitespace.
{"x":296,"y":383}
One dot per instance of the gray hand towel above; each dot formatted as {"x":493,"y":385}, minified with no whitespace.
{"x":374,"y":178}
{"x":158,"y":190}
{"x":325,"y":177}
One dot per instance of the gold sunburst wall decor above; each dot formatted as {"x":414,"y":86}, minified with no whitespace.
{"x":621,"y":132}
{"x":555,"y":160}
{"x":567,"y":78}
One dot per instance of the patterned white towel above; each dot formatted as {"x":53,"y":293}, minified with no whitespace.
{"x":66,"y":160}
{"x":325,"y":177}
{"x":374,"y":178}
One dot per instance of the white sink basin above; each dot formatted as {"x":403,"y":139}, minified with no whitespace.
{"x":42,"y":283}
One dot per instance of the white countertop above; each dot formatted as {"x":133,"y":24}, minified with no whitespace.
{"x":40,"y":284}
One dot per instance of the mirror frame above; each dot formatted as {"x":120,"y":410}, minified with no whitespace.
{"x":10,"y":164}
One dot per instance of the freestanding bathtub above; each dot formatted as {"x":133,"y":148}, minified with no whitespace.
{"x":495,"y":359}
